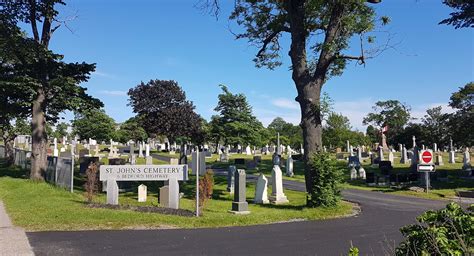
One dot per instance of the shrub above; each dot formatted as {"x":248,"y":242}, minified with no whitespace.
{"x":206,"y":185}
{"x":326,"y":178}
{"x":91,"y":185}
{"x":449,"y":231}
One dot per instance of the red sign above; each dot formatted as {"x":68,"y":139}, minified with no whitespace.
{"x":426,"y":157}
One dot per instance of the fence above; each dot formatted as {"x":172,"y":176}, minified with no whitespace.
{"x":60,"y":170}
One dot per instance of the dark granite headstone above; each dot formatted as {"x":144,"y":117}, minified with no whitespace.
{"x":385,"y":167}
{"x":370,"y":177}
{"x":84,"y":163}
{"x":117,"y":161}
{"x":413,"y":177}
{"x":257,"y":159}
{"x":354,"y":161}
{"x":298,"y":157}
{"x":239,"y":161}
{"x":240,"y":204}
{"x":83,"y":152}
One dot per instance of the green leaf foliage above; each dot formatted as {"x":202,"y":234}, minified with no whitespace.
{"x":449,"y":231}
{"x":327,"y":177}
{"x":94,"y":124}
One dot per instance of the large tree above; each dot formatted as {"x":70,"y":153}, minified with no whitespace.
{"x":460,"y":123}
{"x":132,"y":129}
{"x":94,"y":124}
{"x":164,"y":110}
{"x":435,"y":127}
{"x":320,"y":32}
{"x":54,"y":84}
{"x":238,"y":124}
{"x":463,"y":17}
{"x":391,"y":113}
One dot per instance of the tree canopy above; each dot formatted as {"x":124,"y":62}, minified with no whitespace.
{"x":164,"y":109}
{"x":463,"y":16}
{"x":94,"y":124}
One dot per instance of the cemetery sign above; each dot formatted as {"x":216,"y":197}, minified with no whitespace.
{"x":143,"y":172}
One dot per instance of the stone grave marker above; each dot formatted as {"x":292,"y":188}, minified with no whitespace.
{"x":289,"y":167}
{"x":353,"y":173}
{"x":261,"y":194}
{"x":230,"y":178}
{"x":142,"y":193}
{"x":278,"y":196}
{"x":240,"y":205}
{"x":362,"y":173}
{"x":149,"y":160}
{"x":239,"y":161}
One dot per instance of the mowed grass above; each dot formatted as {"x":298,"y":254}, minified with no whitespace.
{"x":41,"y":206}
{"x":441,"y":190}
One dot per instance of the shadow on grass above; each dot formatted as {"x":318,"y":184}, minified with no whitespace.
{"x":12,"y":171}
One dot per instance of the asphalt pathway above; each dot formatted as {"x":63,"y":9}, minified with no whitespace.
{"x":375,"y":231}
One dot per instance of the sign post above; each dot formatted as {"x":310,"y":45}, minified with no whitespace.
{"x":426,"y":165}
{"x":197,"y":181}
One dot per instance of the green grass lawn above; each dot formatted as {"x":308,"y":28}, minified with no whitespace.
{"x":440,"y":189}
{"x":41,"y":206}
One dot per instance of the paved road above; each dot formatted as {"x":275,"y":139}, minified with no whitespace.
{"x":375,"y":231}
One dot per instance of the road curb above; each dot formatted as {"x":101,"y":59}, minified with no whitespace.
{"x":13,"y":240}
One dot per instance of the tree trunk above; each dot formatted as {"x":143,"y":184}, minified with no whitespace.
{"x":9,"y":152}
{"x":309,"y":99}
{"x":39,"y":138}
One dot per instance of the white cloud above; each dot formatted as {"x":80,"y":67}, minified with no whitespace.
{"x":102,"y":74}
{"x":113,"y":93}
{"x":285,"y":103}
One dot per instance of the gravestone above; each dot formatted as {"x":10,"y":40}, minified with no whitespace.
{"x":84,"y":163}
{"x":362,"y":174}
{"x":466,"y":160}
{"x":149,"y":160}
{"x":380,"y":151}
{"x":404,"y":157}
{"x":348,"y":147}
{"x":257,"y":159}
{"x":224,"y":158}
{"x":83,"y":152}
{"x":251,"y":165}
{"x":339,"y":156}
{"x":169,"y":194}
{"x":239,"y":161}
{"x":278,"y":197}
{"x":276,"y":159}
{"x":261,"y":194}
{"x":175,"y":161}
{"x":385,"y":167}
{"x":112,"y":192}
{"x":142,"y":193}
{"x":353,"y":173}
{"x":202,"y":163}
{"x":289,"y":167}
{"x":391,"y":158}
{"x":359,"y":154}
{"x":140,"y":150}
{"x":230,"y":178}
{"x":133,"y":159}
{"x":248,"y":151}
{"x":147,"y":150}
{"x":353,"y":161}
{"x":439,"y":160}
{"x":370,"y":178}
{"x":338,"y":150}
{"x":452,"y":159}
{"x":240,"y":205}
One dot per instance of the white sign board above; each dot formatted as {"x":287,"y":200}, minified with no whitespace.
{"x":143,"y":172}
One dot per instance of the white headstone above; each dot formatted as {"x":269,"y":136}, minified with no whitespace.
{"x":466,"y":160}
{"x":278,"y":197}
{"x":147,"y":150}
{"x":248,"y":151}
{"x":112,"y":192}
{"x":289,"y":166}
{"x":348,"y":148}
{"x":362,"y":174}
{"x":404,"y":157}
{"x":353,"y":173}
{"x":149,"y":160}
{"x":261,"y":196}
{"x":230,"y":178}
{"x":452,"y":159}
{"x":142,"y":193}
{"x":140,"y":150}
{"x":391,"y":157}
{"x":381,"y":157}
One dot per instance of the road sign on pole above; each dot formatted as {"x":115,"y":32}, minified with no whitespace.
{"x":426,"y":157}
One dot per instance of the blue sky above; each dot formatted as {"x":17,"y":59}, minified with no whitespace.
{"x":133,"y":41}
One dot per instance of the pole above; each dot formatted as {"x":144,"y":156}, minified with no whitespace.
{"x":427,"y":181}
{"x":72,"y":169}
{"x":197,"y":182}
